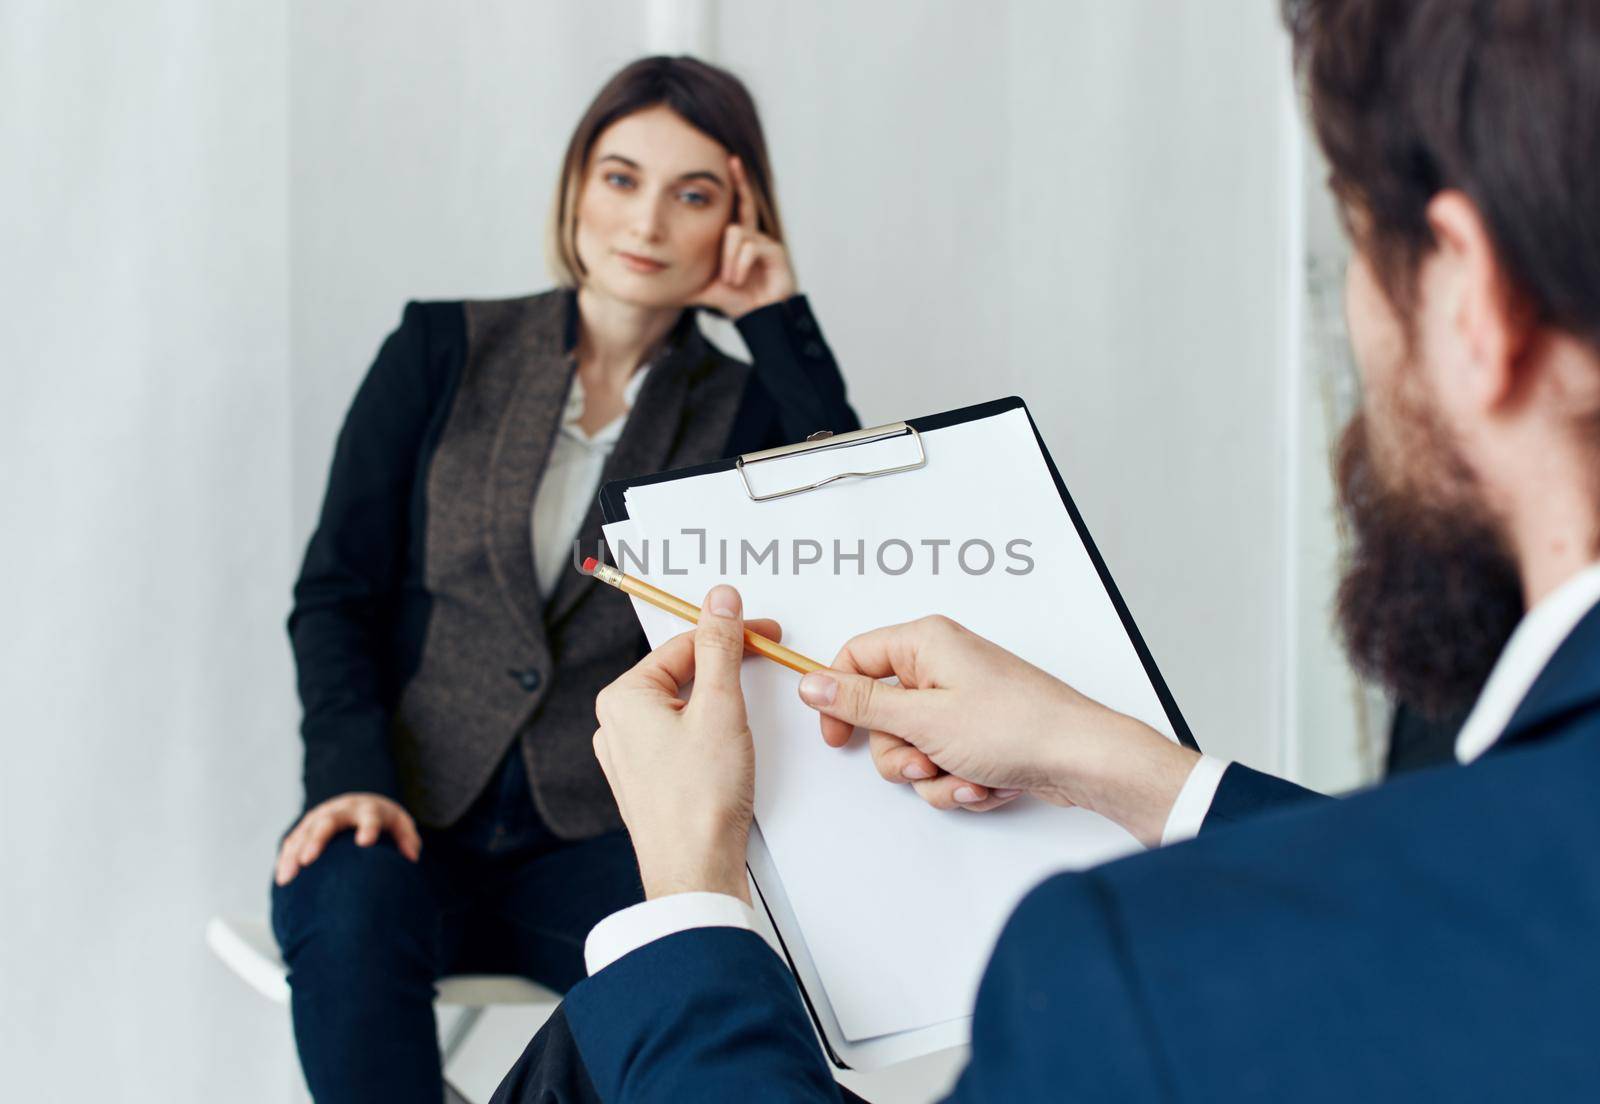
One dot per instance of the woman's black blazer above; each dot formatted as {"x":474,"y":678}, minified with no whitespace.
{"x":362,"y":604}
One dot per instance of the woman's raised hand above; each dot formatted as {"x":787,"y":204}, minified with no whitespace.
{"x":369,"y":814}
{"x":755,"y":270}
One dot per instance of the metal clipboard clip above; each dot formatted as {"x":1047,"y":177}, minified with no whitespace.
{"x":823,"y":442}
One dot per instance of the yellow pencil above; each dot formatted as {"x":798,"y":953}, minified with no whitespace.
{"x":660,"y":599}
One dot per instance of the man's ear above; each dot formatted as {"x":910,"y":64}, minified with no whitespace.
{"x":1490,"y":318}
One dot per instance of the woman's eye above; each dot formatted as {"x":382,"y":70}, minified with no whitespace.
{"x":619,"y":180}
{"x":695,"y":199}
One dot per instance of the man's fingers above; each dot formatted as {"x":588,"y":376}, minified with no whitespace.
{"x":672,"y":665}
{"x":602,"y":752}
{"x":835,"y":733}
{"x":765,"y":626}
{"x":859,"y":700}
{"x":949,"y":792}
{"x":891,"y":650}
{"x":719,"y":642}
{"x":666,"y":669}
{"x":844,"y":697}
{"x":995,"y":801}
{"x":898,"y":761}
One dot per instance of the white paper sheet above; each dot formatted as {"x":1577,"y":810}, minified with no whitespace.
{"x":899,"y":904}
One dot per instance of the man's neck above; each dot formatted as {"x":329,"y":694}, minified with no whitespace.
{"x":1551,"y":511}
{"x":1537,"y":452}
{"x":1551,"y":549}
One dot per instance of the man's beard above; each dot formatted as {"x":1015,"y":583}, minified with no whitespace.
{"x":1431,"y":593}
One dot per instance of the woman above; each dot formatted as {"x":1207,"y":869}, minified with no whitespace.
{"x":448,"y":650}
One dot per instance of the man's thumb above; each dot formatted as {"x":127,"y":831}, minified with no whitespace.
{"x":719,"y":641}
{"x":859,"y":700}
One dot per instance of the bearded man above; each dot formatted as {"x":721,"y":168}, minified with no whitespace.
{"x":1431,"y":939}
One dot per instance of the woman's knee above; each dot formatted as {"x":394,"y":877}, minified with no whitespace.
{"x":356,"y":905}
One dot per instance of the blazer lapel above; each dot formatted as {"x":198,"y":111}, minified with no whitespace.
{"x":1569,"y":683}
{"x":521,"y":449}
{"x":645,"y":445}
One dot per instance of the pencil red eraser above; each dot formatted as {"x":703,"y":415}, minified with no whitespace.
{"x":589,"y":565}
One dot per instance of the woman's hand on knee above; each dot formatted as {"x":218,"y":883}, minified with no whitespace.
{"x":369,"y":814}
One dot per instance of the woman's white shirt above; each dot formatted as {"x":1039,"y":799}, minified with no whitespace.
{"x":571,"y":479}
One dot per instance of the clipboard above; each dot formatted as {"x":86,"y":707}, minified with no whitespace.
{"x":760,"y":478}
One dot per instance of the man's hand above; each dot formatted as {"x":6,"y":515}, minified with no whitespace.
{"x":369,"y":814}
{"x":683,"y":773}
{"x":970,"y":716}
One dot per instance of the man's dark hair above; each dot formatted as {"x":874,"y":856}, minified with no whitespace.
{"x":1497,"y":98}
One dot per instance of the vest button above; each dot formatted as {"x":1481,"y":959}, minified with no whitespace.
{"x":529,"y":680}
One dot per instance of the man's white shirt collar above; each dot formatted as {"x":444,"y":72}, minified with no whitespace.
{"x":1529,"y":650}
{"x":1531,"y":647}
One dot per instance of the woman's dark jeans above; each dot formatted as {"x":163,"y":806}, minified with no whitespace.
{"x":366,"y":933}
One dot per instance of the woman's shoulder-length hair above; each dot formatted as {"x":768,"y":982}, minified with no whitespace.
{"x":712,"y":100}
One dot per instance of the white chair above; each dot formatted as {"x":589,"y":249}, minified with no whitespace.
{"x":247,"y":947}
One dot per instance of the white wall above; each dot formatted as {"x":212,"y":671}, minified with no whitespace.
{"x":149,"y":730}
{"x":1081,"y":203}
{"x":222,"y":209}
{"x":424,"y":144}
{"x":1084,"y":203}
{"x":1077,"y":202}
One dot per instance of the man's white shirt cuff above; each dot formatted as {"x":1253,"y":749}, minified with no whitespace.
{"x":1194,"y":800}
{"x":623,"y":932}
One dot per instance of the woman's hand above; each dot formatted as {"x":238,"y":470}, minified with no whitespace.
{"x":755,"y":269}
{"x":369,"y":814}
{"x":969,"y":715}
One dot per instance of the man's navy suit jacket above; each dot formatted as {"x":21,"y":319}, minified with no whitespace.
{"x":1437,"y":938}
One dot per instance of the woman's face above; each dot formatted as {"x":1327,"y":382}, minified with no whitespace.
{"x":654,"y":201}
